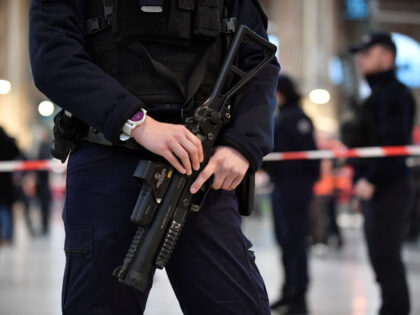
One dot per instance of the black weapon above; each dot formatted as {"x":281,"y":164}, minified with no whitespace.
{"x":164,"y":200}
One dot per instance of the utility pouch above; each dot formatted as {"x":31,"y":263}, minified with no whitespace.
{"x":175,"y":22}
{"x":67,"y":133}
{"x":207,"y":21}
{"x":169,"y":22}
{"x":245,"y":194}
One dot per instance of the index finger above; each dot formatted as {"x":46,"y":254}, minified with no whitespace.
{"x":197,"y":142}
{"x":205,"y":174}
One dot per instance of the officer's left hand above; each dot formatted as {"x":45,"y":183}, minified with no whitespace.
{"x":364,"y":189}
{"x":227,"y":165}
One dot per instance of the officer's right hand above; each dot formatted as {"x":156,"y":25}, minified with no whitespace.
{"x":173,"y":142}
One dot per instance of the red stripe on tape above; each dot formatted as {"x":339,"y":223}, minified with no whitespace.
{"x":350,"y":153}
{"x":32,"y":166}
{"x":396,"y":151}
{"x":294,"y":156}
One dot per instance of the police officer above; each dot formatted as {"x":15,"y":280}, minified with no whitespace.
{"x":43,"y":191}
{"x":8,"y":151}
{"x":124,"y":68}
{"x":293,"y":183}
{"x":386,"y":118}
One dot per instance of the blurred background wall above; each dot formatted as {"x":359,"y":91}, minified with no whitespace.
{"x":313,"y":37}
{"x":18,"y":108}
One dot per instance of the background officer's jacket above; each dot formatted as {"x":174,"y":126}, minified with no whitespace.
{"x":8,"y":151}
{"x":392,"y":113}
{"x":64,"y":71}
{"x":293,"y":131}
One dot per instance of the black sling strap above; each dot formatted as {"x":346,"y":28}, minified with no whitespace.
{"x":193,"y":84}
{"x":101,"y":16}
{"x":197,"y":78}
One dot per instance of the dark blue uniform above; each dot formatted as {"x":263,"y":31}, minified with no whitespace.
{"x":8,"y":151}
{"x":392,"y":110}
{"x":212,"y":270}
{"x":293,"y":183}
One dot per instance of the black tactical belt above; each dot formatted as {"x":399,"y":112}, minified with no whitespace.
{"x":96,"y":137}
{"x":169,"y":113}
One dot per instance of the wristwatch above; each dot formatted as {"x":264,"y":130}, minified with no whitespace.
{"x":136,"y":120}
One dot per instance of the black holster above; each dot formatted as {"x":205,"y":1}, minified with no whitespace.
{"x":68,"y":131}
{"x":245,"y":194}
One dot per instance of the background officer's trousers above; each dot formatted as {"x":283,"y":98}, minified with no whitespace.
{"x":212,"y":270}
{"x":290,"y":199}
{"x":385,"y":228}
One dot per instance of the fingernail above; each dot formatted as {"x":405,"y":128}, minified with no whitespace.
{"x":193,"y":190}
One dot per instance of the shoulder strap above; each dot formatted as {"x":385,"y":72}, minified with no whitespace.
{"x":229,"y":27}
{"x":193,"y":84}
{"x":99,"y":15}
{"x":137,"y":48}
{"x":196,"y":80}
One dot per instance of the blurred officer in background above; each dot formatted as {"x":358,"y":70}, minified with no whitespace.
{"x":8,"y":151}
{"x":20,"y":184}
{"x":43,"y":190}
{"x":293,"y":190}
{"x":108,"y":76}
{"x":414,"y":217}
{"x":385,"y":119}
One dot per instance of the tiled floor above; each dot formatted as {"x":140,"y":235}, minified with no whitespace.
{"x":342,"y":283}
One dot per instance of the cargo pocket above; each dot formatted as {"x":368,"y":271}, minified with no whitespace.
{"x":77,"y":284}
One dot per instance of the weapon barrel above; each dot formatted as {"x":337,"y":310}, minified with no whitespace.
{"x":140,"y":271}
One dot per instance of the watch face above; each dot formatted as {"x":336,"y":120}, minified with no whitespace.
{"x":137,"y":116}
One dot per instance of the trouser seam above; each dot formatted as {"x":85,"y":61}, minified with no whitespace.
{"x":254,"y":280}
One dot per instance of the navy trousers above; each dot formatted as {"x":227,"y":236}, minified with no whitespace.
{"x":212,"y":270}
{"x":385,"y":229}
{"x":290,"y":200}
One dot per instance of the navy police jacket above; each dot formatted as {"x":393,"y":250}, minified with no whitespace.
{"x":392,"y":114}
{"x":64,"y":71}
{"x":8,"y":151}
{"x":293,"y":132}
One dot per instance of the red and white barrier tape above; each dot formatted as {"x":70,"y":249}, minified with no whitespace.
{"x":57,"y":167}
{"x":42,"y":165}
{"x":369,"y":152}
